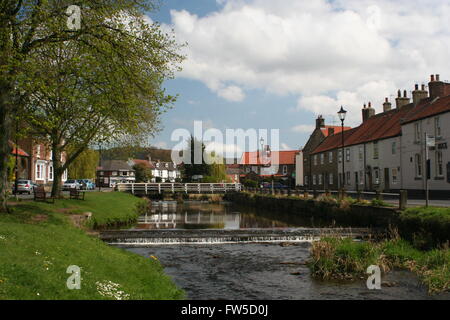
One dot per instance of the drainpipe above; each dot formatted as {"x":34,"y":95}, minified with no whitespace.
{"x":364,"y":169}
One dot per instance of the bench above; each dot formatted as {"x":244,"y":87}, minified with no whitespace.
{"x":41,"y":195}
{"x":75,"y":194}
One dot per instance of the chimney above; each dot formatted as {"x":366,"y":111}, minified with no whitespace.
{"x":320,"y":122}
{"x":419,"y":95}
{"x":149,"y":157}
{"x":387,"y":106}
{"x":368,"y":112}
{"x":330,"y":131}
{"x":438,"y":88}
{"x":402,"y":101}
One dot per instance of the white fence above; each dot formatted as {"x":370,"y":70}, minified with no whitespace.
{"x":147,"y":188}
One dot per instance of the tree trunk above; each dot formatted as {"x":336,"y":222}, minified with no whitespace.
{"x":5,"y":132}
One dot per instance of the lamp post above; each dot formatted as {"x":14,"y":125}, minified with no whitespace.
{"x":342,"y":113}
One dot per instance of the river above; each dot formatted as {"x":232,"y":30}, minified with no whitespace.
{"x":252,"y":270}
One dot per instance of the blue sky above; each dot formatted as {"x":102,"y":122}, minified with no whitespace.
{"x":268,"y":64}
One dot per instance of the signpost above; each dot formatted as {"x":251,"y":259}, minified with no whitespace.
{"x":430,"y":142}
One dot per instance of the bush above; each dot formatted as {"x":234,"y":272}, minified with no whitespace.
{"x":250,"y":183}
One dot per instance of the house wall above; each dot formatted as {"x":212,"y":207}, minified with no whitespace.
{"x":411,"y":148}
{"x":314,"y":141}
{"x":322,"y":171}
{"x":299,"y":179}
{"x":365,"y":171}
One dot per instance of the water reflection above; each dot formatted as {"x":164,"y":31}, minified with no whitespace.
{"x":200,"y":215}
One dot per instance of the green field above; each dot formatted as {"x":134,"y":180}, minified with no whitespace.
{"x":38,"y":243}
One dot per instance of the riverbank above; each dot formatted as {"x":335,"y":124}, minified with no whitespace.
{"x":39,"y":241}
{"x":426,"y":228}
{"x":344,"y":259}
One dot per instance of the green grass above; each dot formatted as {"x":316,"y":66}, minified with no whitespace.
{"x":38,"y":244}
{"x":334,"y":258}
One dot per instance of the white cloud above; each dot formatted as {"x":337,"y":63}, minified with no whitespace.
{"x":303,"y":128}
{"x":327,"y":53}
{"x":284,"y":146}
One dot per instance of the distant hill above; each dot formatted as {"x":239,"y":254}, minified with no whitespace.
{"x":125,"y":153}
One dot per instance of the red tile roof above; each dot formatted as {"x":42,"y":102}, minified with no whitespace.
{"x":431,"y":108}
{"x":17,"y":151}
{"x":381,"y":126}
{"x":276,"y":157}
{"x":337,"y":129}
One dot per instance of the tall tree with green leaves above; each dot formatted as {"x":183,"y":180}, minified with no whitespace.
{"x":102,"y":56}
{"x":195,"y":167}
{"x":85,"y":165}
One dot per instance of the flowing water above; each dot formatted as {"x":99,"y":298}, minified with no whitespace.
{"x":222,"y":251}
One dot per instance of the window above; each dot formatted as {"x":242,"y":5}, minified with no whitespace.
{"x":394,"y":175}
{"x":50,"y":173}
{"x":314,"y":180}
{"x":306,"y":180}
{"x":114,"y":173}
{"x":322,"y":158}
{"x":315,"y":160}
{"x":394,"y":147}
{"x":285,"y":170}
{"x":347,"y":155}
{"x":417,"y":132}
{"x":361,"y":177}
{"x":330,"y":156}
{"x":439,"y":165}
{"x":39,"y":171}
{"x":375,"y":150}
{"x":340,"y":156}
{"x":330,"y":177}
{"x":418,"y":158}
{"x":320,"y":179}
{"x":51,"y":155}
{"x":361,"y":154}
{"x":348,"y":177}
{"x":437,"y":127}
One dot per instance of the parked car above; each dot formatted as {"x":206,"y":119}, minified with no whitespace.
{"x":71,"y":184}
{"x":87,"y":184}
{"x":25,"y":186}
{"x":276,"y":185}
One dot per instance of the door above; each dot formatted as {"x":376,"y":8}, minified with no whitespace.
{"x":387,"y":185}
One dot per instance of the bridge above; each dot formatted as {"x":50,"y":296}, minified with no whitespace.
{"x":159,"y":188}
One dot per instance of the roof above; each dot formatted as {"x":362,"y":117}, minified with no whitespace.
{"x":115,"y":165}
{"x":431,"y":108}
{"x":337,"y":129}
{"x":17,"y":150}
{"x":386,"y":125}
{"x":276,"y":157}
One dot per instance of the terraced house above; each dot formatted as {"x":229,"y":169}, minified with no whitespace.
{"x":387,"y":151}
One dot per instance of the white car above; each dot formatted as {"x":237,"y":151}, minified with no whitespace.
{"x":71,"y":184}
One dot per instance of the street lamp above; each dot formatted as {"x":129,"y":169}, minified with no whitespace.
{"x":342,"y":113}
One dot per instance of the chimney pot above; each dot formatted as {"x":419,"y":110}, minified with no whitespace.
{"x":432,"y":77}
{"x":399,"y":93}
{"x":423,"y":87}
{"x":387,"y":99}
{"x":416,"y":87}
{"x":405,"y":94}
{"x":437,"y":77}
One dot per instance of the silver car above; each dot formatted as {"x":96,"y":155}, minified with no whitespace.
{"x":25,"y":186}
{"x":71,"y":184}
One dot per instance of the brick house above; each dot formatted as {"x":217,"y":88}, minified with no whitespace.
{"x":112,"y":172}
{"x":35,"y":161}
{"x":280,"y":164}
{"x":320,"y":133}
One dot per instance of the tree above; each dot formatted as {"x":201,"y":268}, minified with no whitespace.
{"x":85,"y":165}
{"x":142,"y":173}
{"x":195,"y":169}
{"x":29,"y":27}
{"x":217,"y":170}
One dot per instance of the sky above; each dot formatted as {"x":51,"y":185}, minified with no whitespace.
{"x":265,"y":64}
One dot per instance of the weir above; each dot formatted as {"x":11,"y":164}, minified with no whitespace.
{"x":131,"y":238}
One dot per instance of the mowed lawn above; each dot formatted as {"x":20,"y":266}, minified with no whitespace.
{"x":38,"y":243}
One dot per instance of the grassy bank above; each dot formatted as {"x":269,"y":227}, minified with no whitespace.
{"x":38,"y":243}
{"x":345,"y":259}
{"x":425,"y":227}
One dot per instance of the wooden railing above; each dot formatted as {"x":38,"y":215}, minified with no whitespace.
{"x":148,"y":188}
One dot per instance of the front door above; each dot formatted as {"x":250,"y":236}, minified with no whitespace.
{"x":387,"y":185}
